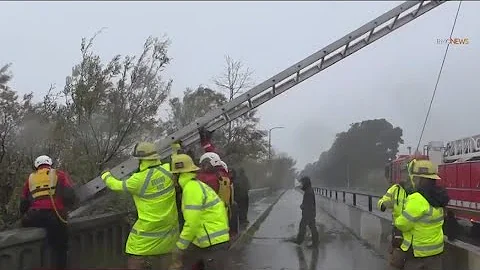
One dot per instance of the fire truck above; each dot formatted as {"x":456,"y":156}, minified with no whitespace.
{"x":459,"y":167}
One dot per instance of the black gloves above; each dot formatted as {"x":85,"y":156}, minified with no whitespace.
{"x":383,"y":208}
{"x":204,"y":134}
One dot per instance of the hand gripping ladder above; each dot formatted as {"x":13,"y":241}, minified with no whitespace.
{"x":267,"y":90}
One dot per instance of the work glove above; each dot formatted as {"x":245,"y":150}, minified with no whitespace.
{"x":177,"y":256}
{"x":176,"y":147}
{"x":104,"y":174}
{"x":383,"y":208}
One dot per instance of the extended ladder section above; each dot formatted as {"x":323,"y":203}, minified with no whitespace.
{"x":267,"y":90}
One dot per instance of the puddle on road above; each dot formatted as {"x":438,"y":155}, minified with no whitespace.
{"x":339,"y":249}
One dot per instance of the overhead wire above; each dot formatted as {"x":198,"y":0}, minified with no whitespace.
{"x":438,"y":77}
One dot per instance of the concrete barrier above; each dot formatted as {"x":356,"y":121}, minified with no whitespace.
{"x":375,"y":229}
{"x":94,"y":241}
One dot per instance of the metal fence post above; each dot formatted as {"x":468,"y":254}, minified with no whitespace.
{"x":370,"y":203}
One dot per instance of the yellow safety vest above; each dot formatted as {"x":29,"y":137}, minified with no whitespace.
{"x":424,"y":222}
{"x":206,"y":221}
{"x":225,"y":191}
{"x":153,"y":192}
{"x":42,"y":183}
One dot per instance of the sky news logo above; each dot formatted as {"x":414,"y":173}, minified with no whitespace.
{"x":453,"y":41}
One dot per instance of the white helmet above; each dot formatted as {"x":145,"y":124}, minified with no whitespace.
{"x":214,"y":158}
{"x":42,"y":160}
{"x":224,"y":165}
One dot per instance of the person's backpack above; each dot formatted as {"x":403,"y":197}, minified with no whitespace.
{"x":225,"y":190}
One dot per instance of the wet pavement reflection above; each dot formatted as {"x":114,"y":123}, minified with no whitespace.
{"x":268,"y":247}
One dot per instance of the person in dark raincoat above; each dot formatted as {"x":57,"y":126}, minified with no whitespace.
{"x":308,"y":207}
{"x":241,"y":187}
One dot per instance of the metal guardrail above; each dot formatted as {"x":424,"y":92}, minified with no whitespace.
{"x":333,"y":193}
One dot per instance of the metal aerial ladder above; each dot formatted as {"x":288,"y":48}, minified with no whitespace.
{"x":272,"y":87}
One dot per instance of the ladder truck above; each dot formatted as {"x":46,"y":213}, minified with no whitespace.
{"x":272,"y":87}
{"x":459,"y":168}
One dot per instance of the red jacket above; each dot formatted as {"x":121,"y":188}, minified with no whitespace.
{"x":211,"y":178}
{"x":64,"y":187}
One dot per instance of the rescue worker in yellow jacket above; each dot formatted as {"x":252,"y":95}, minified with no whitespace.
{"x":153,"y":191}
{"x":423,"y":217}
{"x":394,"y":199}
{"x":206,"y":220}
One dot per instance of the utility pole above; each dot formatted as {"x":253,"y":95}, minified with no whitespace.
{"x":270,"y":141}
{"x":348,"y":175}
{"x":269,"y":172}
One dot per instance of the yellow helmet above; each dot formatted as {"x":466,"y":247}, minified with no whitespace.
{"x":145,"y":151}
{"x":182,"y":163}
{"x":422,"y":168}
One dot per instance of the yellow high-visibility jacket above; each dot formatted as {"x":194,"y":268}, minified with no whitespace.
{"x":206,"y":221}
{"x":394,"y":199}
{"x":153,"y":190}
{"x":424,"y":222}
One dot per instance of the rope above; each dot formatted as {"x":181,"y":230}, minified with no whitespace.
{"x":438,"y":77}
{"x":55,"y":208}
{"x":51,"y":173}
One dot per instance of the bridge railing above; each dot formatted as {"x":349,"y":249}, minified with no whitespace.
{"x":366,"y":200}
{"x":94,"y":242}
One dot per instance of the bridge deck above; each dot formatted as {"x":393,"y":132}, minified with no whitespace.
{"x":267,"y":249}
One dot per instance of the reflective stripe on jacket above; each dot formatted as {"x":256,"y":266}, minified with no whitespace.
{"x":206,"y":221}
{"x":153,"y":192}
{"x":424,"y":222}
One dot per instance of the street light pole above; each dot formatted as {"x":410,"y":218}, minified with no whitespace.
{"x":270,"y":142}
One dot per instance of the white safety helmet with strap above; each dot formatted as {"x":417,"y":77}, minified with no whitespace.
{"x":42,"y":160}
{"x":224,"y":165}
{"x":213,"y":157}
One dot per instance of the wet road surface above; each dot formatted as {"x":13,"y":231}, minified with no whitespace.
{"x":267,"y":248}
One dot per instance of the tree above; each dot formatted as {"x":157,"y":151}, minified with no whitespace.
{"x":13,"y":161}
{"x":194,"y":104}
{"x":234,"y":80}
{"x":86,"y":127}
{"x":246,"y":140}
{"x":283,"y":175}
{"x":364,"y":148}
{"x":110,"y":106}
{"x":283,"y":171}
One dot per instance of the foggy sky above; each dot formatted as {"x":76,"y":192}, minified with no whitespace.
{"x":393,"y":78}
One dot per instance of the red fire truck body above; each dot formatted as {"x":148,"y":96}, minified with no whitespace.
{"x":460,"y":173}
{"x":459,"y":167}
